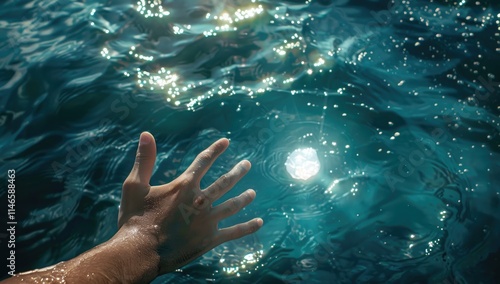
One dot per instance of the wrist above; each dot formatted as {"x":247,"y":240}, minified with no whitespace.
{"x":128,"y":257}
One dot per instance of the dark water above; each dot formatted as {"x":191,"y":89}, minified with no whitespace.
{"x":399,"y":99}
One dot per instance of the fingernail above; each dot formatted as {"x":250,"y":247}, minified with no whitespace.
{"x":260,"y":222}
{"x":145,"y":139}
{"x":245,"y":165}
{"x":251,"y":193}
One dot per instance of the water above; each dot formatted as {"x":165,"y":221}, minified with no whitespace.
{"x":398,"y":99}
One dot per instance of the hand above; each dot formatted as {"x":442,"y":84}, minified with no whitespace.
{"x":177,"y":219}
{"x":161,"y":227}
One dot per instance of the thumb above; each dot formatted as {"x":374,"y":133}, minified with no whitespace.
{"x":144,"y":160}
{"x":136,"y":186}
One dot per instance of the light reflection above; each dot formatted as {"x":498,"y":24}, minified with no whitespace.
{"x":432,"y":245}
{"x":165,"y":81}
{"x":227,"y":21}
{"x":105,"y":53}
{"x":151,"y":8}
{"x":139,"y":56}
{"x":178,"y":30}
{"x":332,"y":186}
{"x":303,"y":163}
{"x":248,"y":262}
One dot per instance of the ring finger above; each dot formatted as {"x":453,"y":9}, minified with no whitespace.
{"x":233,"y":205}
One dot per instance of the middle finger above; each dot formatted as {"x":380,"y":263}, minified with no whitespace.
{"x":227,"y":181}
{"x":205,"y":159}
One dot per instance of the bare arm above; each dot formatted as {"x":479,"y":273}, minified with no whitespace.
{"x":161,"y":228}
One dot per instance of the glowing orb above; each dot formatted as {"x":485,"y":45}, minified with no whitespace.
{"x":302,"y":163}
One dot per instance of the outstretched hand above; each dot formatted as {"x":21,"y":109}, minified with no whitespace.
{"x":177,"y":219}
{"x":161,"y":228}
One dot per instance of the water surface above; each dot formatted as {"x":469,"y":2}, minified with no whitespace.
{"x":398,"y":99}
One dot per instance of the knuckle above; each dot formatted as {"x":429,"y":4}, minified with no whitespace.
{"x":254,"y":226}
{"x":248,"y":229}
{"x":234,"y":205}
{"x":141,"y":157}
{"x":200,"y":201}
{"x":224,"y":181}
{"x":238,"y":232}
{"x":227,"y":211}
{"x":204,"y":157}
{"x":131,"y":184}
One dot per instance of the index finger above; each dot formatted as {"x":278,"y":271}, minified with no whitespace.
{"x":205,"y":159}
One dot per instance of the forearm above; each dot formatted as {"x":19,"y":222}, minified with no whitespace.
{"x":126,"y":258}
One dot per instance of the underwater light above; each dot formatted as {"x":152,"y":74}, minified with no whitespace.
{"x":303,"y":163}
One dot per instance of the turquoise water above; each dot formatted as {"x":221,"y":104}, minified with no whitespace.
{"x":400,"y":101}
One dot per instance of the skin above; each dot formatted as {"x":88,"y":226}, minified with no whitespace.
{"x":161,"y":228}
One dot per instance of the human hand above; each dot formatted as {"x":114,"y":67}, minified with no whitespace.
{"x":177,"y":219}
{"x":161,"y":228}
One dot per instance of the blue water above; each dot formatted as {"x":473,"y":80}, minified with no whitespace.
{"x":399,"y":99}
